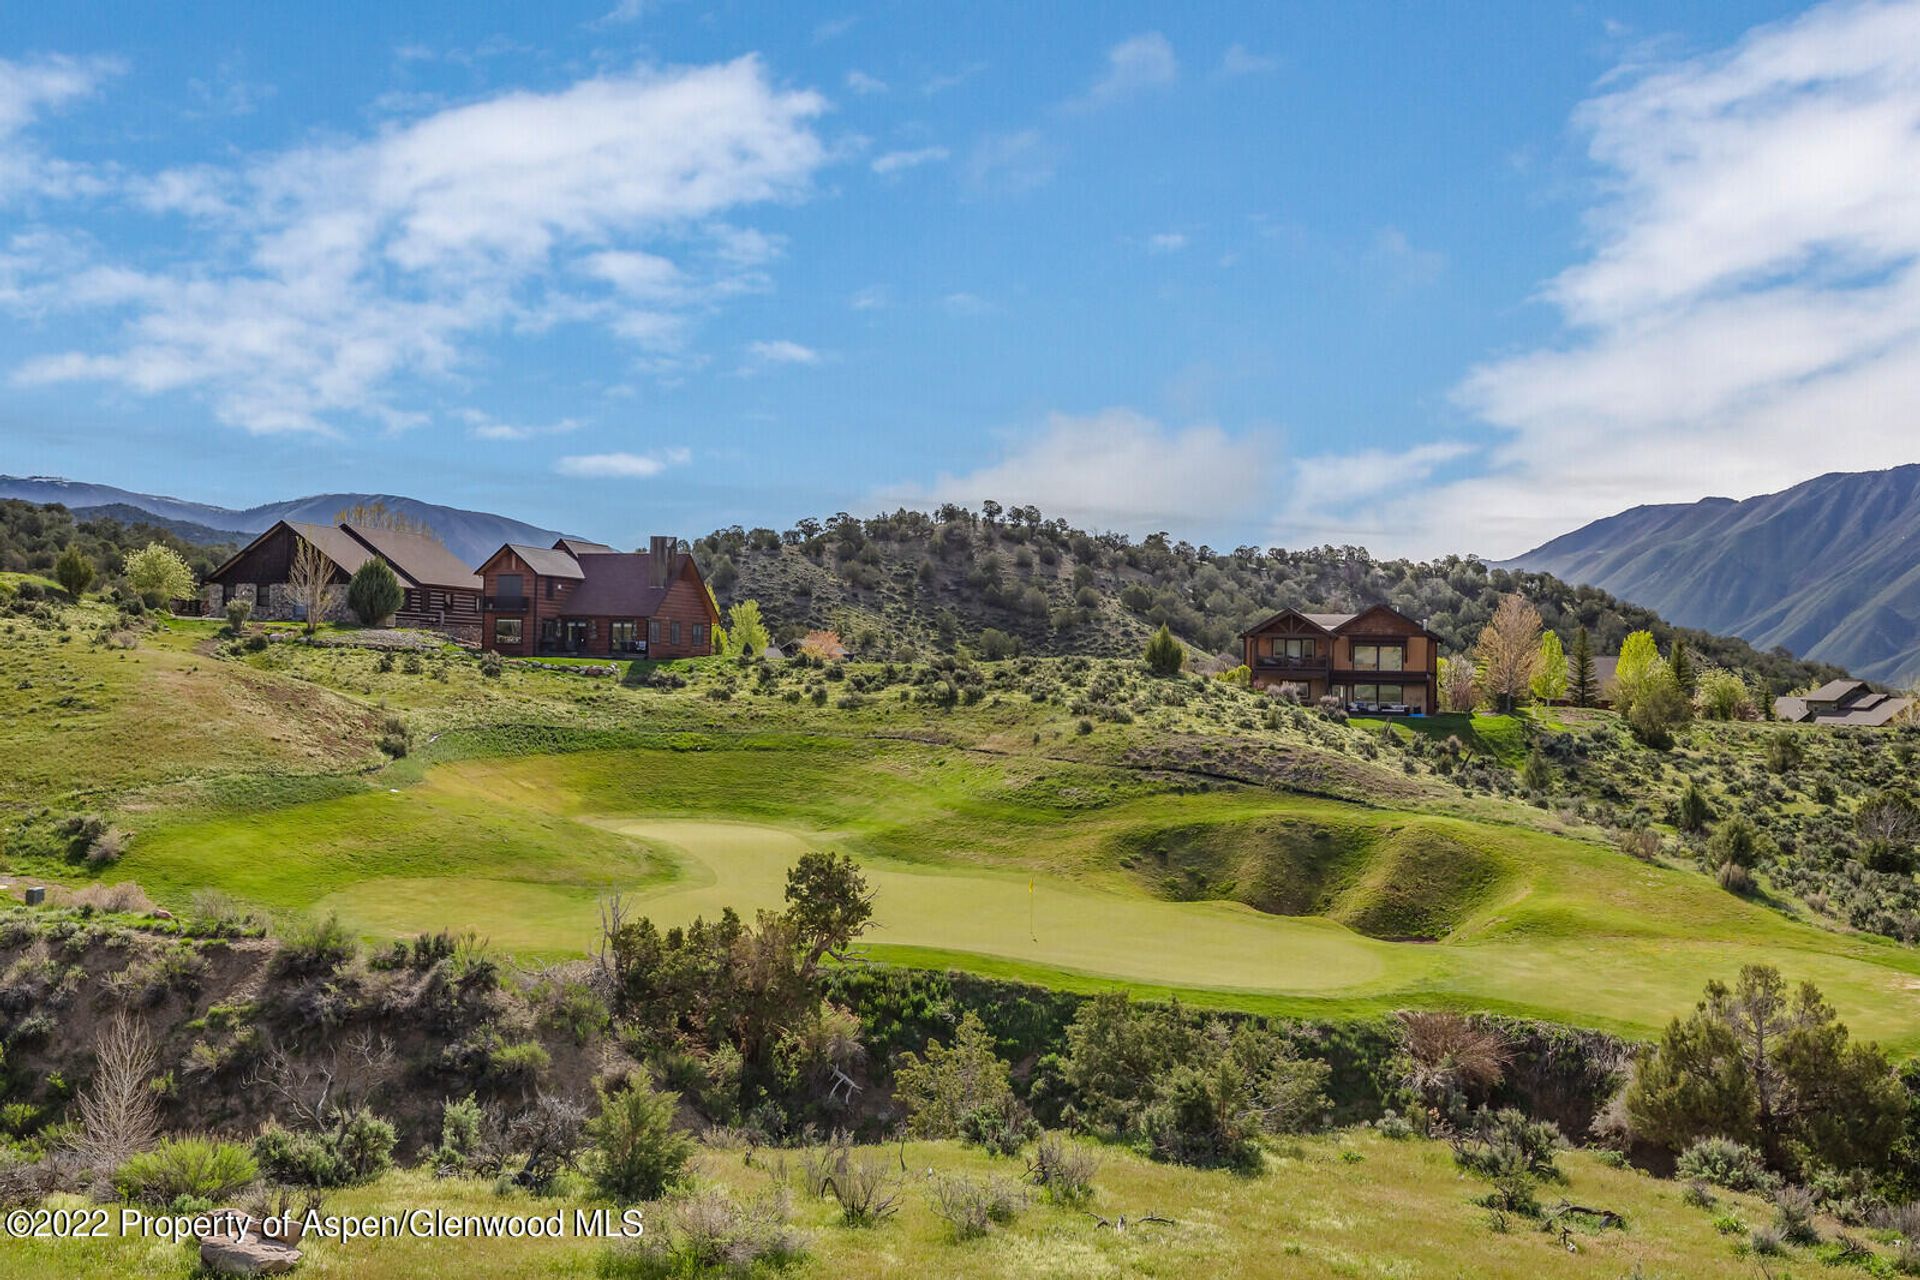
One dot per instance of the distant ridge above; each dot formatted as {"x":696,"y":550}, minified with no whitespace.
{"x":470,"y":535}
{"x":1829,"y":569}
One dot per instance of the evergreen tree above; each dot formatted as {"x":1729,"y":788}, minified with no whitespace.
{"x":74,"y":571}
{"x":1581,"y":686}
{"x":1164,"y":654}
{"x":374,"y":593}
{"x":1682,"y":666}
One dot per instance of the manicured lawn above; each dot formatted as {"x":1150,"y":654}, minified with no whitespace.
{"x":519,"y":850}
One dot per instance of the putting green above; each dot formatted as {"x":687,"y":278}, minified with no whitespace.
{"x":1005,"y":915}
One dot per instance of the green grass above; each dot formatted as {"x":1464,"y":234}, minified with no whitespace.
{"x":1504,"y":737}
{"x":1333,"y":1206}
{"x":519,"y":849}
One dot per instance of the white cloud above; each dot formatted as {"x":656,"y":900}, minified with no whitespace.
{"x":29,"y":90}
{"x":966,"y":304}
{"x":1115,"y":469}
{"x":1407,"y":263}
{"x":1749,"y":314}
{"x":1140,"y":63}
{"x":1010,"y":163}
{"x":620,"y":466}
{"x":863,"y":84}
{"x":782,"y":351}
{"x":346,"y":269}
{"x":1239,"y":61}
{"x":895,"y":161}
{"x":875,"y":297}
{"x":482,"y":426}
{"x":1166,"y":242}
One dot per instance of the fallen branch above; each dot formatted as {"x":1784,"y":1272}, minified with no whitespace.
{"x":1119,"y":1225}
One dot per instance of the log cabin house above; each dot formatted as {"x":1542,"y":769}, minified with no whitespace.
{"x":583,"y":599}
{"x":1377,"y":660}
{"x":441,"y":593}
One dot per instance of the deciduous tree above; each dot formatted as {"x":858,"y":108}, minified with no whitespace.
{"x":1550,"y":671}
{"x":308,"y":581}
{"x":1508,"y":651}
{"x":159,"y":574}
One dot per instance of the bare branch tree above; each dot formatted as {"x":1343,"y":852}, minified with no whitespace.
{"x":318,"y":1090}
{"x":118,"y":1115}
{"x":308,"y":581}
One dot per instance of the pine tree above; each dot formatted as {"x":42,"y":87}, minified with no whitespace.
{"x":1164,"y":654}
{"x":74,"y":571}
{"x":1582,"y":687}
{"x":1682,"y":667}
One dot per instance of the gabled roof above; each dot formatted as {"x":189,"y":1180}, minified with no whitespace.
{"x":580,"y":546}
{"x":618,"y":584}
{"x":545,"y":561}
{"x":1322,"y":621}
{"x":420,"y":561}
{"x":333,"y":542}
{"x":1332,"y":622}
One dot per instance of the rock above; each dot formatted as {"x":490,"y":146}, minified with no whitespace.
{"x":160,"y":914}
{"x":224,"y":1253}
{"x":255,"y":1256}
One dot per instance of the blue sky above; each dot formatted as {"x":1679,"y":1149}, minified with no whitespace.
{"x":1430,"y":278}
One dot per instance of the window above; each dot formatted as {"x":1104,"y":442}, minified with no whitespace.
{"x":509,"y":586}
{"x":553,"y":585}
{"x":699,"y":634}
{"x":653,"y":630}
{"x":1378,"y":657}
{"x":624,"y":635}
{"x":676,"y":631}
{"x":1293,"y":647}
{"x":506,"y":631}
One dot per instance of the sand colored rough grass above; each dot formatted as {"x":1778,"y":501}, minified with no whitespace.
{"x":1398,"y":1209}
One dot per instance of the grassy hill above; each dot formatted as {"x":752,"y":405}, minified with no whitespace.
{"x":913,"y":583}
{"x":1101,"y":826}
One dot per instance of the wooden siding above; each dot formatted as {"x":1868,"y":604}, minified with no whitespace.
{"x":269,"y":562}
{"x":685,"y":603}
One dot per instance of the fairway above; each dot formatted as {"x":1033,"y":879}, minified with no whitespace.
{"x":1054,"y":924}
{"x":520,"y":850}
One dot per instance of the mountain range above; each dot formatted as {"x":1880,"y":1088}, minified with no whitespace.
{"x":470,"y":535}
{"x":1829,"y":569}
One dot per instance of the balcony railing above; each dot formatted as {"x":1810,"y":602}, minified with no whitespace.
{"x":506,"y":604}
{"x":1285,"y":662}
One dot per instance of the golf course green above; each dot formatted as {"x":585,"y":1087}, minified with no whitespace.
{"x":1038,"y":876}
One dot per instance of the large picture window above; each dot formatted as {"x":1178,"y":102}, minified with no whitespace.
{"x":624,"y":636}
{"x":1293,"y":646}
{"x":1379,"y":657}
{"x":509,"y":586}
{"x":506,"y":631}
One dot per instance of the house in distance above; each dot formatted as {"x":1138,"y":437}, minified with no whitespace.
{"x":584,"y":599}
{"x":1376,"y":660}
{"x":1842,"y":702}
{"x":441,"y":593}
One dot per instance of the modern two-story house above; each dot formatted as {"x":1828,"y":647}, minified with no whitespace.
{"x":1375,"y":660}
{"x":583,"y":599}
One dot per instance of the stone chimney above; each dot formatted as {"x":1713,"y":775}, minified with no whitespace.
{"x":660,"y":559}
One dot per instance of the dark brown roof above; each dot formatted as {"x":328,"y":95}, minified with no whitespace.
{"x":580,"y":546}
{"x":617,"y":585}
{"x":545,"y":561}
{"x":1328,"y":621}
{"x":419,"y":560}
